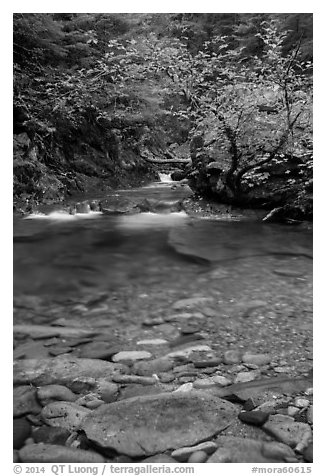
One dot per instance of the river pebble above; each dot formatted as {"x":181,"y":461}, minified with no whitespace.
{"x":52,"y":393}
{"x":155,"y":366}
{"x":310,"y":415}
{"x":232,"y":357}
{"x":183,"y":454}
{"x":151,"y":342}
{"x":138,"y":379}
{"x":131,"y":355}
{"x":256,"y":359}
{"x":64,"y":414}
{"x":25,"y":401}
{"x":198,"y":457}
{"x":288,"y":432}
{"x":301,"y":402}
{"x":221,"y":381}
{"x":257,"y":418}
{"x":246,"y":376}
{"x":188,"y":351}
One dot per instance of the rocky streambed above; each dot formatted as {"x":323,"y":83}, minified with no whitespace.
{"x":83,"y":393}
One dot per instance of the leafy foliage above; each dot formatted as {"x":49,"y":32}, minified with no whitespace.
{"x":241,"y":82}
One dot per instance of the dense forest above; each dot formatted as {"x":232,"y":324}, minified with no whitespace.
{"x":101,"y":99}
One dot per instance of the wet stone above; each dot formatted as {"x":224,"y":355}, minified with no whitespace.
{"x":21,"y":431}
{"x":98,"y":350}
{"x":64,"y":414}
{"x":30,"y":350}
{"x":204,"y":383}
{"x":45,"y":332}
{"x":25,"y":401}
{"x":291,"y":273}
{"x":288,"y":432}
{"x":59,"y":351}
{"x":152,"y":342}
{"x":198,"y":457}
{"x":160,"y":458}
{"x":262,"y":388}
{"x":134,"y":379}
{"x":301,"y":402}
{"x":308,"y":453}
{"x":246,"y":376}
{"x":189,"y":329}
{"x":45,"y":453}
{"x":292,"y":411}
{"x":245,"y":450}
{"x":132,"y":356}
{"x":166,"y":377}
{"x":51,"y":435}
{"x":256,"y":359}
{"x":207,"y":363}
{"x":182,"y":454}
{"x":69,"y":371}
{"x":232,"y":357}
{"x":256,"y":418}
{"x":310,"y":415}
{"x":221,"y":381}
{"x":154,"y":321}
{"x":142,"y":426}
{"x":108,"y":391}
{"x":154,"y":366}
{"x":188,"y":351}
{"x":52,"y":393}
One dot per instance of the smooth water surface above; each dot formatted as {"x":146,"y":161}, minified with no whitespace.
{"x":142,"y":263}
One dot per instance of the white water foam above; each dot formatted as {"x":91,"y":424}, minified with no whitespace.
{"x":61,"y":215}
{"x":165,"y":178}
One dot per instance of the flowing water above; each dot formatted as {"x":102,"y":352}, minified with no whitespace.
{"x":135,"y":266}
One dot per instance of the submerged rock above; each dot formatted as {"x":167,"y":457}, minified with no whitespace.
{"x":21,"y":431}
{"x":183,"y":454}
{"x":53,"y":435}
{"x":25,"y":401}
{"x":289,"y":432}
{"x":64,"y":414}
{"x":63,"y":371}
{"x":44,"y":453}
{"x":45,"y":332}
{"x":143,"y":426}
{"x":52,"y":393}
{"x":131,"y":355}
{"x":245,"y":450}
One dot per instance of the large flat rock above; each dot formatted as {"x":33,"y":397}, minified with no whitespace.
{"x":63,"y":371}
{"x":147,"y":425}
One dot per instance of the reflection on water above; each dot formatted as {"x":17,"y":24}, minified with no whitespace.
{"x":151,"y":220}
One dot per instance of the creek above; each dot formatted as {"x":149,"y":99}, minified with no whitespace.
{"x":139,"y":264}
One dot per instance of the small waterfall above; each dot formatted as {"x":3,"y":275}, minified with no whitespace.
{"x":165,"y":178}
